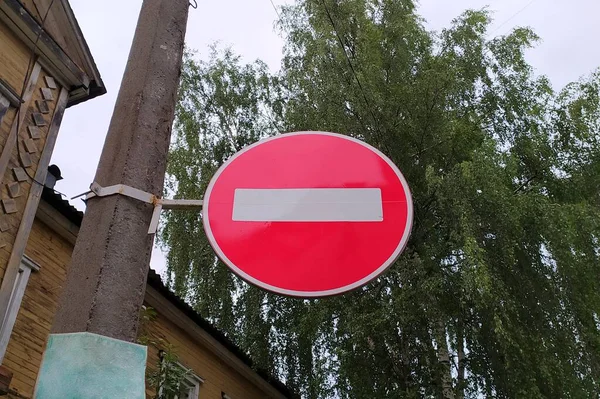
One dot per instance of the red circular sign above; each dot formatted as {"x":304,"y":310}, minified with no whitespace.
{"x":308,"y":214}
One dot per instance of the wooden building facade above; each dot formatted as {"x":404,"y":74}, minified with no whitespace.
{"x":45,"y":67}
{"x":217,"y":368}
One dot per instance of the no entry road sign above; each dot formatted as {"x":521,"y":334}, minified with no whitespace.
{"x":308,"y":214}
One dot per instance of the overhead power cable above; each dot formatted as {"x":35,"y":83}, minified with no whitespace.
{"x":276,"y":10}
{"x":343,"y":45}
{"x":512,"y":17}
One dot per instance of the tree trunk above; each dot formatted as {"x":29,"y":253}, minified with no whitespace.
{"x":460,"y":393}
{"x":444,"y":361}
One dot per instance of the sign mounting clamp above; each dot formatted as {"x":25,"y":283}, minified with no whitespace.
{"x":96,"y":190}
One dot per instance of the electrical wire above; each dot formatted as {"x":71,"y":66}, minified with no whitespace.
{"x":360,"y":86}
{"x":488,"y":49}
{"x":512,"y":17}
{"x":276,"y":10}
{"x":194,"y":4}
{"x":29,"y":71}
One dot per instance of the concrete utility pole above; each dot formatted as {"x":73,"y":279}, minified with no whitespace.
{"x":107,"y":277}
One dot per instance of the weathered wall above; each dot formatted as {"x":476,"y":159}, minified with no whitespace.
{"x":13,"y":64}
{"x":30,"y":333}
{"x":218,"y":377}
{"x":6,"y":123}
{"x":23,"y":151}
{"x":57,"y":25}
{"x":24,"y":354}
{"x":29,"y":148}
{"x":14,"y":59}
{"x":18,"y":163}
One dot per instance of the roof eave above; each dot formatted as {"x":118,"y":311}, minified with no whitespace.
{"x":82,"y":87}
{"x":96,"y":87}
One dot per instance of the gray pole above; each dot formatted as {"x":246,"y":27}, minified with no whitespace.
{"x":106,"y":280}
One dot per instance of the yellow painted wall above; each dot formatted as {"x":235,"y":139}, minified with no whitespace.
{"x":30,"y":333}
{"x":52,"y":253}
{"x":218,"y":377}
{"x":14,"y":60}
{"x":13,"y":64}
{"x":24,"y":354}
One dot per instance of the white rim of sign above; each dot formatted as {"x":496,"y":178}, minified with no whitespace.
{"x":309,"y":294}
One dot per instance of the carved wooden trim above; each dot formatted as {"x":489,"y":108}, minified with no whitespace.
{"x":35,"y":193}
{"x":28,"y":29}
{"x":12,"y":139}
{"x":34,"y":132}
{"x":14,"y":189}
{"x":20,"y":174}
{"x":50,"y":83}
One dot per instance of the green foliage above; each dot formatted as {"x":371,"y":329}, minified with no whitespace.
{"x":147,"y":315}
{"x":498,"y":291}
{"x":169,"y":376}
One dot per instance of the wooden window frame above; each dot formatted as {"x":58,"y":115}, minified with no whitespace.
{"x":26,"y":267}
{"x":192,"y":383}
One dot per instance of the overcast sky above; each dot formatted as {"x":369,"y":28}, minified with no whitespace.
{"x":568,"y":50}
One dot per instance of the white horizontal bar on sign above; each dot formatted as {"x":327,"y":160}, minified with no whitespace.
{"x":308,"y":205}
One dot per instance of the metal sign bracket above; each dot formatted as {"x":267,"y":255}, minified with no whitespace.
{"x":96,"y":190}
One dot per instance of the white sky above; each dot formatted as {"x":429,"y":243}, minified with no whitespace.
{"x":568,"y":50}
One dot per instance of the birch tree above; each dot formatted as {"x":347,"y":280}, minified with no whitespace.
{"x":498,"y":292}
